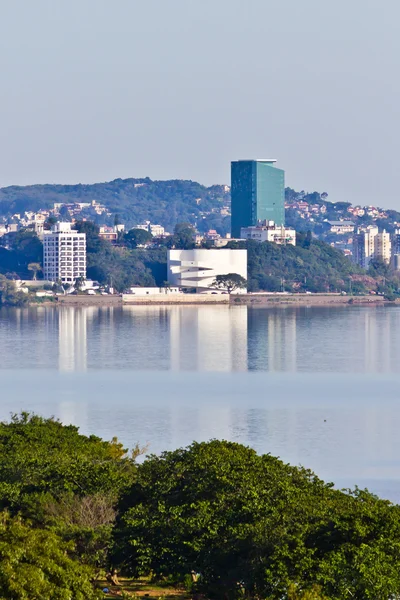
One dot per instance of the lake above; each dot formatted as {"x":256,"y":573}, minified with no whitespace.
{"x":317,"y":386}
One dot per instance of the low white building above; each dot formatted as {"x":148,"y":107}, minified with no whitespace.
{"x":198,"y":268}
{"x":153,"y":291}
{"x":155,"y":230}
{"x":267,"y":231}
{"x":341,"y":227}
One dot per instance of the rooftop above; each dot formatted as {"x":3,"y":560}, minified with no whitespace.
{"x":341,"y":223}
{"x":267,"y":160}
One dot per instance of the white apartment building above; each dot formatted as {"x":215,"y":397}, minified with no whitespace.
{"x":64,"y":254}
{"x":364,"y":246}
{"x":198,"y":268}
{"x":368,"y":243}
{"x":155,"y":230}
{"x":267,"y":231}
{"x":383,"y":246}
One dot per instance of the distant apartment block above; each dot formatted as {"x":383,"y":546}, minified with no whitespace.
{"x":257,"y":192}
{"x":383,"y":246}
{"x":197,"y":269}
{"x":108,"y":233}
{"x":364,"y":246}
{"x":267,"y":231}
{"x":64,"y":254}
{"x":368,"y":243}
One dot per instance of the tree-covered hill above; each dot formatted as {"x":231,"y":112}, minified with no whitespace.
{"x":133,"y":200}
{"x":311,"y":265}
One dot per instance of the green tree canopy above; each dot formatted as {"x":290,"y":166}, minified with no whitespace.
{"x":64,"y":481}
{"x":9,"y":295}
{"x":36,"y":563}
{"x":34,"y":267}
{"x":25,"y":242}
{"x":137,"y":237}
{"x":229,"y":282}
{"x":41,"y":456}
{"x":310,"y":266}
{"x":183,"y":237}
{"x":254,"y":527}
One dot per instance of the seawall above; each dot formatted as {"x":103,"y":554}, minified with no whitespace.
{"x":84,"y":300}
{"x":235,"y":299}
{"x":176,"y":299}
{"x":305,"y":299}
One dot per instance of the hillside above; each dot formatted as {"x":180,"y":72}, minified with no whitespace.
{"x":312,"y":266}
{"x":132,"y":200}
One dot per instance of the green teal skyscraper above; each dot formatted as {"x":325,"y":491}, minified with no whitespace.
{"x":257,"y":192}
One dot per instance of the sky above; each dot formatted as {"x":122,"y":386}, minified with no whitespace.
{"x":92,"y":90}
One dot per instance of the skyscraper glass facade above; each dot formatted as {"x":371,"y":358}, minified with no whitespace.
{"x":258,"y":193}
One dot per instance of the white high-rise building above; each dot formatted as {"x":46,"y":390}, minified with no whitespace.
{"x":368,"y":243}
{"x":383,"y":246}
{"x":64,"y":254}
{"x":364,"y":246}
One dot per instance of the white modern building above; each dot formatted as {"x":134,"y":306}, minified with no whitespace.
{"x":64,"y":254}
{"x":198,"y":268}
{"x":267,"y":231}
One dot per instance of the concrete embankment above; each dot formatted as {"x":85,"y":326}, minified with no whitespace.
{"x":256,"y":300}
{"x":85,"y":300}
{"x":305,"y":299}
{"x":131,"y":299}
{"x":176,"y":299}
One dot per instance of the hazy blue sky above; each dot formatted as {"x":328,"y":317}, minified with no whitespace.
{"x":92,"y":90}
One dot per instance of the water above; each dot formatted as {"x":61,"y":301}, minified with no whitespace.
{"x":316,"y":386}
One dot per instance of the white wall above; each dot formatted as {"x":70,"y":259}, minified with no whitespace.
{"x":153,"y":291}
{"x":198,"y":268}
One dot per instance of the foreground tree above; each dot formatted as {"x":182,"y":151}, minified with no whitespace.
{"x":37,"y":564}
{"x":229,"y":282}
{"x":220,"y":510}
{"x":253,"y":527}
{"x":63,"y":480}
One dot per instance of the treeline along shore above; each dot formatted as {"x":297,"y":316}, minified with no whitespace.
{"x":213,"y":520}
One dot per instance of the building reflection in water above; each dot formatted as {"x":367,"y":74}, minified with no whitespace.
{"x":202,"y":338}
{"x":208,"y":338}
{"x":272,"y":336}
{"x":72,"y":337}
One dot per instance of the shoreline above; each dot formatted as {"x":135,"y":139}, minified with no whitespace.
{"x":253,"y":300}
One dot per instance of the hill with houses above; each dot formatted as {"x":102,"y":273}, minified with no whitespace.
{"x":132,"y":201}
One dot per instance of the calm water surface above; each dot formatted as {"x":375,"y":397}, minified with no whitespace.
{"x":316,"y":386}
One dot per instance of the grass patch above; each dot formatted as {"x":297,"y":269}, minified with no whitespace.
{"x":143,"y":588}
